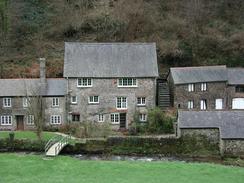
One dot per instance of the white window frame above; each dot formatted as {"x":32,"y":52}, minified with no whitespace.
{"x":25,"y":102}
{"x":217,"y":106}
{"x":203,"y":86}
{"x":191,"y":87}
{"x":121,"y":104}
{"x":84,"y":82}
{"x":55,"y":102}
{"x":203,"y":104}
{"x":73,"y":101}
{"x":7,"y":102}
{"x":91,"y":99}
{"x":142,"y":117}
{"x":6,"y":120}
{"x":113,"y":118}
{"x":127,"y":82}
{"x":141,"y":101}
{"x":30,"y":120}
{"x":100,"y":118}
{"x":190,"y":104}
{"x":55,"y":119}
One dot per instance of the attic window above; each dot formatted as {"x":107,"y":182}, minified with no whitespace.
{"x":127,"y":82}
{"x":191,"y":87}
{"x":240,"y":88}
{"x":84,"y":82}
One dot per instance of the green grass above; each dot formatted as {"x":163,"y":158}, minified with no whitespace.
{"x":27,"y":135}
{"x":20,"y":168}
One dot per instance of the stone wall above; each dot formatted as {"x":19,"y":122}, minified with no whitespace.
{"x":108,"y":91}
{"x":233,"y":147}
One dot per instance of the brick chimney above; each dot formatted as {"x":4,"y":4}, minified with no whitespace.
{"x":43,"y":81}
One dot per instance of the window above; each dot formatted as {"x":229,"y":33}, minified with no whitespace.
{"x":203,"y":86}
{"x":73,"y":99}
{"x":142,"y":117}
{"x":55,"y":119}
{"x":100,"y":118}
{"x":115,"y":118}
{"x":6,"y":120}
{"x":240,"y":88}
{"x":30,"y":119}
{"x":7,"y":102}
{"x":93,"y":100}
{"x":191,"y":87}
{"x":190,"y":104}
{"x":55,"y":102}
{"x":141,"y":101}
{"x":219,"y":104}
{"x":25,"y":102}
{"x":203,"y":104}
{"x":121,"y":103}
{"x":238,"y":103}
{"x":127,"y":82}
{"x":76,"y":117}
{"x":84,"y":82}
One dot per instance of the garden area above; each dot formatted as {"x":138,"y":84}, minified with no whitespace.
{"x":35,"y":168}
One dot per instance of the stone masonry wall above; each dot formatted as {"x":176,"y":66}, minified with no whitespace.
{"x":233,"y":147}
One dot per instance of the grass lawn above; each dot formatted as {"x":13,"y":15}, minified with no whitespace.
{"x":20,"y":168}
{"x":27,"y":135}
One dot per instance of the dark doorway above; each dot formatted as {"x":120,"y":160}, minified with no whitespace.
{"x":122,"y":120}
{"x":20,"y":122}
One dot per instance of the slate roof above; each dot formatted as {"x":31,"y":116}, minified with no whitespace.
{"x":230,"y":123}
{"x":110,"y":60}
{"x":236,"y":76}
{"x":23,"y":87}
{"x":184,"y":75}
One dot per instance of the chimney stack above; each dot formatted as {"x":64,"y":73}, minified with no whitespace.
{"x":43,"y":81}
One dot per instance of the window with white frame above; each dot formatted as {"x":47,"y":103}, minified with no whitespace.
{"x":55,"y":102}
{"x":141,"y":101}
{"x":127,"y":82}
{"x":30,"y":119}
{"x":100,"y":118}
{"x":55,"y":119}
{"x":203,"y":104}
{"x":219,"y":104}
{"x":203,"y":86}
{"x":73,"y":99}
{"x":25,"y":102}
{"x":143,"y":117}
{"x":121,"y":103}
{"x":191,"y":87}
{"x":6,"y":120}
{"x":115,"y":118}
{"x":7,"y":102}
{"x":84,"y":82}
{"x":93,"y":99}
{"x":190,"y":104}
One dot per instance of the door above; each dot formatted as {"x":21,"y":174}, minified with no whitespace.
{"x":122,"y":117}
{"x":238,"y":103}
{"x":20,"y":122}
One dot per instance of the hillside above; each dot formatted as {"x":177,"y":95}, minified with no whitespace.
{"x":187,"y":32}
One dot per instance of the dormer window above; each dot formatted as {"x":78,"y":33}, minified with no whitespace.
{"x":191,"y":87}
{"x":203,"y":86}
{"x":7,"y":102}
{"x":127,"y":82}
{"x":55,"y":102}
{"x":84,"y":82}
{"x":240,"y":88}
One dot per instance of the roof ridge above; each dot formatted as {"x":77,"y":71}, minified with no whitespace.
{"x":196,"y":67}
{"x":111,"y":43}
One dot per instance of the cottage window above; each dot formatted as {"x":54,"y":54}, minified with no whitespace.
{"x":25,"y":102}
{"x":203,"y":86}
{"x":190,"y":104}
{"x":93,"y":100}
{"x":6,"y":120}
{"x":55,"y":102}
{"x":84,"y":82}
{"x":7,"y":102}
{"x":76,"y":117}
{"x":73,"y":99}
{"x":238,"y":103}
{"x":127,"y":82}
{"x":55,"y":119}
{"x":143,"y":117}
{"x":203,"y":104}
{"x":100,"y":118}
{"x":30,"y":119}
{"x":219,"y":104}
{"x":115,"y":118}
{"x":121,"y":103}
{"x":141,"y":101}
{"x":191,"y":87}
{"x":240,"y":88}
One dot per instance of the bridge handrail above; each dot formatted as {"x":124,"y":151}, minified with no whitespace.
{"x":52,"y":141}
